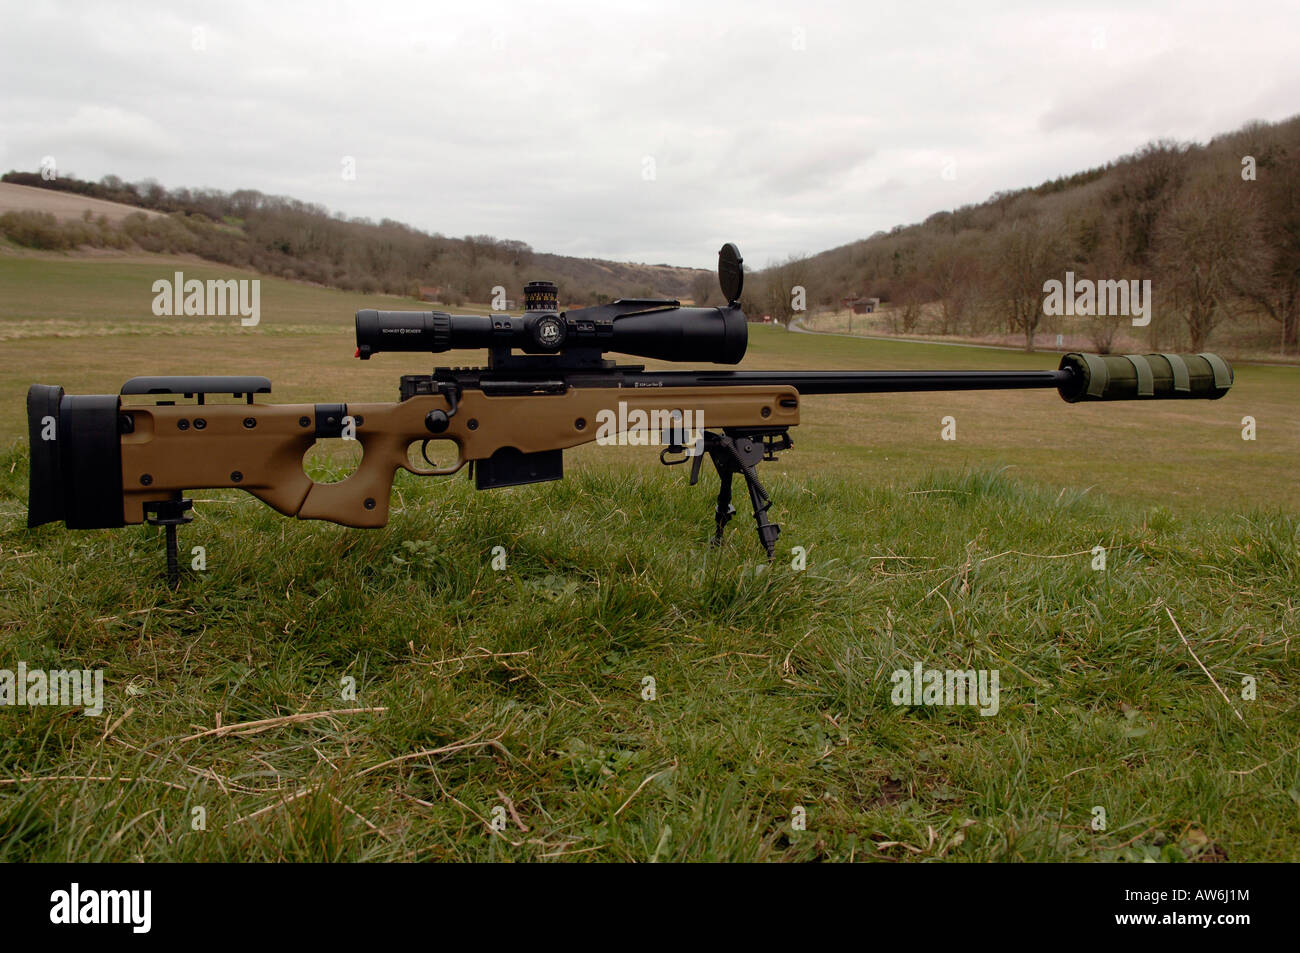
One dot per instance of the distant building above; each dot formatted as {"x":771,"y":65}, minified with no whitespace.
{"x":860,"y":305}
{"x":431,"y":292}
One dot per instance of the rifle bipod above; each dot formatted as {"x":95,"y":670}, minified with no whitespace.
{"x":170,"y":514}
{"x":738,"y":451}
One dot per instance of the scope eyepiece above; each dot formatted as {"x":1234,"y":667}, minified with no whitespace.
{"x":402,"y":331}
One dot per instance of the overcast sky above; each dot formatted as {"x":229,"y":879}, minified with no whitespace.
{"x":636,"y":131}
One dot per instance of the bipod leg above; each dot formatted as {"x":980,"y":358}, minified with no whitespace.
{"x":725,"y":511}
{"x":173,"y":558}
{"x":768,"y":532}
{"x":170,"y":514}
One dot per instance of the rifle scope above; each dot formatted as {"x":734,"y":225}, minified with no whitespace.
{"x":662,"y":330}
{"x":642,"y":327}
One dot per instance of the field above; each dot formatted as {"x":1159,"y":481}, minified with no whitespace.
{"x":521,"y":696}
{"x":1251,"y":338}
{"x":62,"y":205}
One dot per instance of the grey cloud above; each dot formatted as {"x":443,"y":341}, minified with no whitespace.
{"x":785,"y":128}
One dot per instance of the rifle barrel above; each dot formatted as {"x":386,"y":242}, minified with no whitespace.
{"x":864,"y":382}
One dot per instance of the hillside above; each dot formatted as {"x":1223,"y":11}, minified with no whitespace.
{"x":286,"y":238}
{"x":1215,"y":228}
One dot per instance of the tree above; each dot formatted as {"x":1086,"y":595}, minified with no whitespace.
{"x":1027,"y":254}
{"x":953,"y":271}
{"x":778,"y":293}
{"x":1208,"y":243}
{"x":910,"y":293}
{"x":1100,"y":241}
{"x":1277,"y":290}
{"x":1148,"y":182}
{"x":703,"y":286}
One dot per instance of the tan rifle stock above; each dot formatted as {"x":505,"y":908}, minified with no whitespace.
{"x":260,"y":447}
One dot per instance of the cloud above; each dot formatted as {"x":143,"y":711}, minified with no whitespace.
{"x":113,"y":133}
{"x":784,"y":128}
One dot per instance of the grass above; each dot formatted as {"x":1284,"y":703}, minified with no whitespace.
{"x":523,"y":688}
{"x":519,"y":693}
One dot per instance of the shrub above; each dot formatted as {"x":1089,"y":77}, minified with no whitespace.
{"x":35,"y":230}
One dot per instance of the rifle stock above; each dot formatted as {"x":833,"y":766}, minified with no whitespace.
{"x":260,"y":447}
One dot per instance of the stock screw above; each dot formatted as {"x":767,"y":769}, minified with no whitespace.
{"x":182,"y":424}
{"x":580,"y":423}
{"x":358,"y":419}
{"x":145,"y":480}
{"x":304,"y":421}
{"x":199,"y":423}
{"x":473,"y":424}
{"x":236,"y":476}
{"x":767,"y":411}
{"x":250,"y":423}
{"x":370,"y":503}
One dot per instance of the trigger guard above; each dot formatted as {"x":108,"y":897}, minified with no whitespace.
{"x":433,"y":470}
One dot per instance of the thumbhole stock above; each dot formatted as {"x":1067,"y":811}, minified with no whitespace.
{"x":332,"y":459}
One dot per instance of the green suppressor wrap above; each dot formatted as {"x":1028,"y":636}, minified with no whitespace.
{"x":1145,"y":376}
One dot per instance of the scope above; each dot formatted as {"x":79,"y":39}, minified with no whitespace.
{"x":641,"y":327}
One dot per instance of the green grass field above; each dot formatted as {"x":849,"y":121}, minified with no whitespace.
{"x":519,"y":696}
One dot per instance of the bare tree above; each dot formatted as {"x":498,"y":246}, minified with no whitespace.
{"x":1105,"y":262}
{"x":1027,"y":254}
{"x":1277,"y":289}
{"x":1147,"y":182}
{"x":703,"y":286}
{"x":781,"y":289}
{"x":954,"y":271}
{"x":910,"y":293}
{"x":1208,"y":243}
